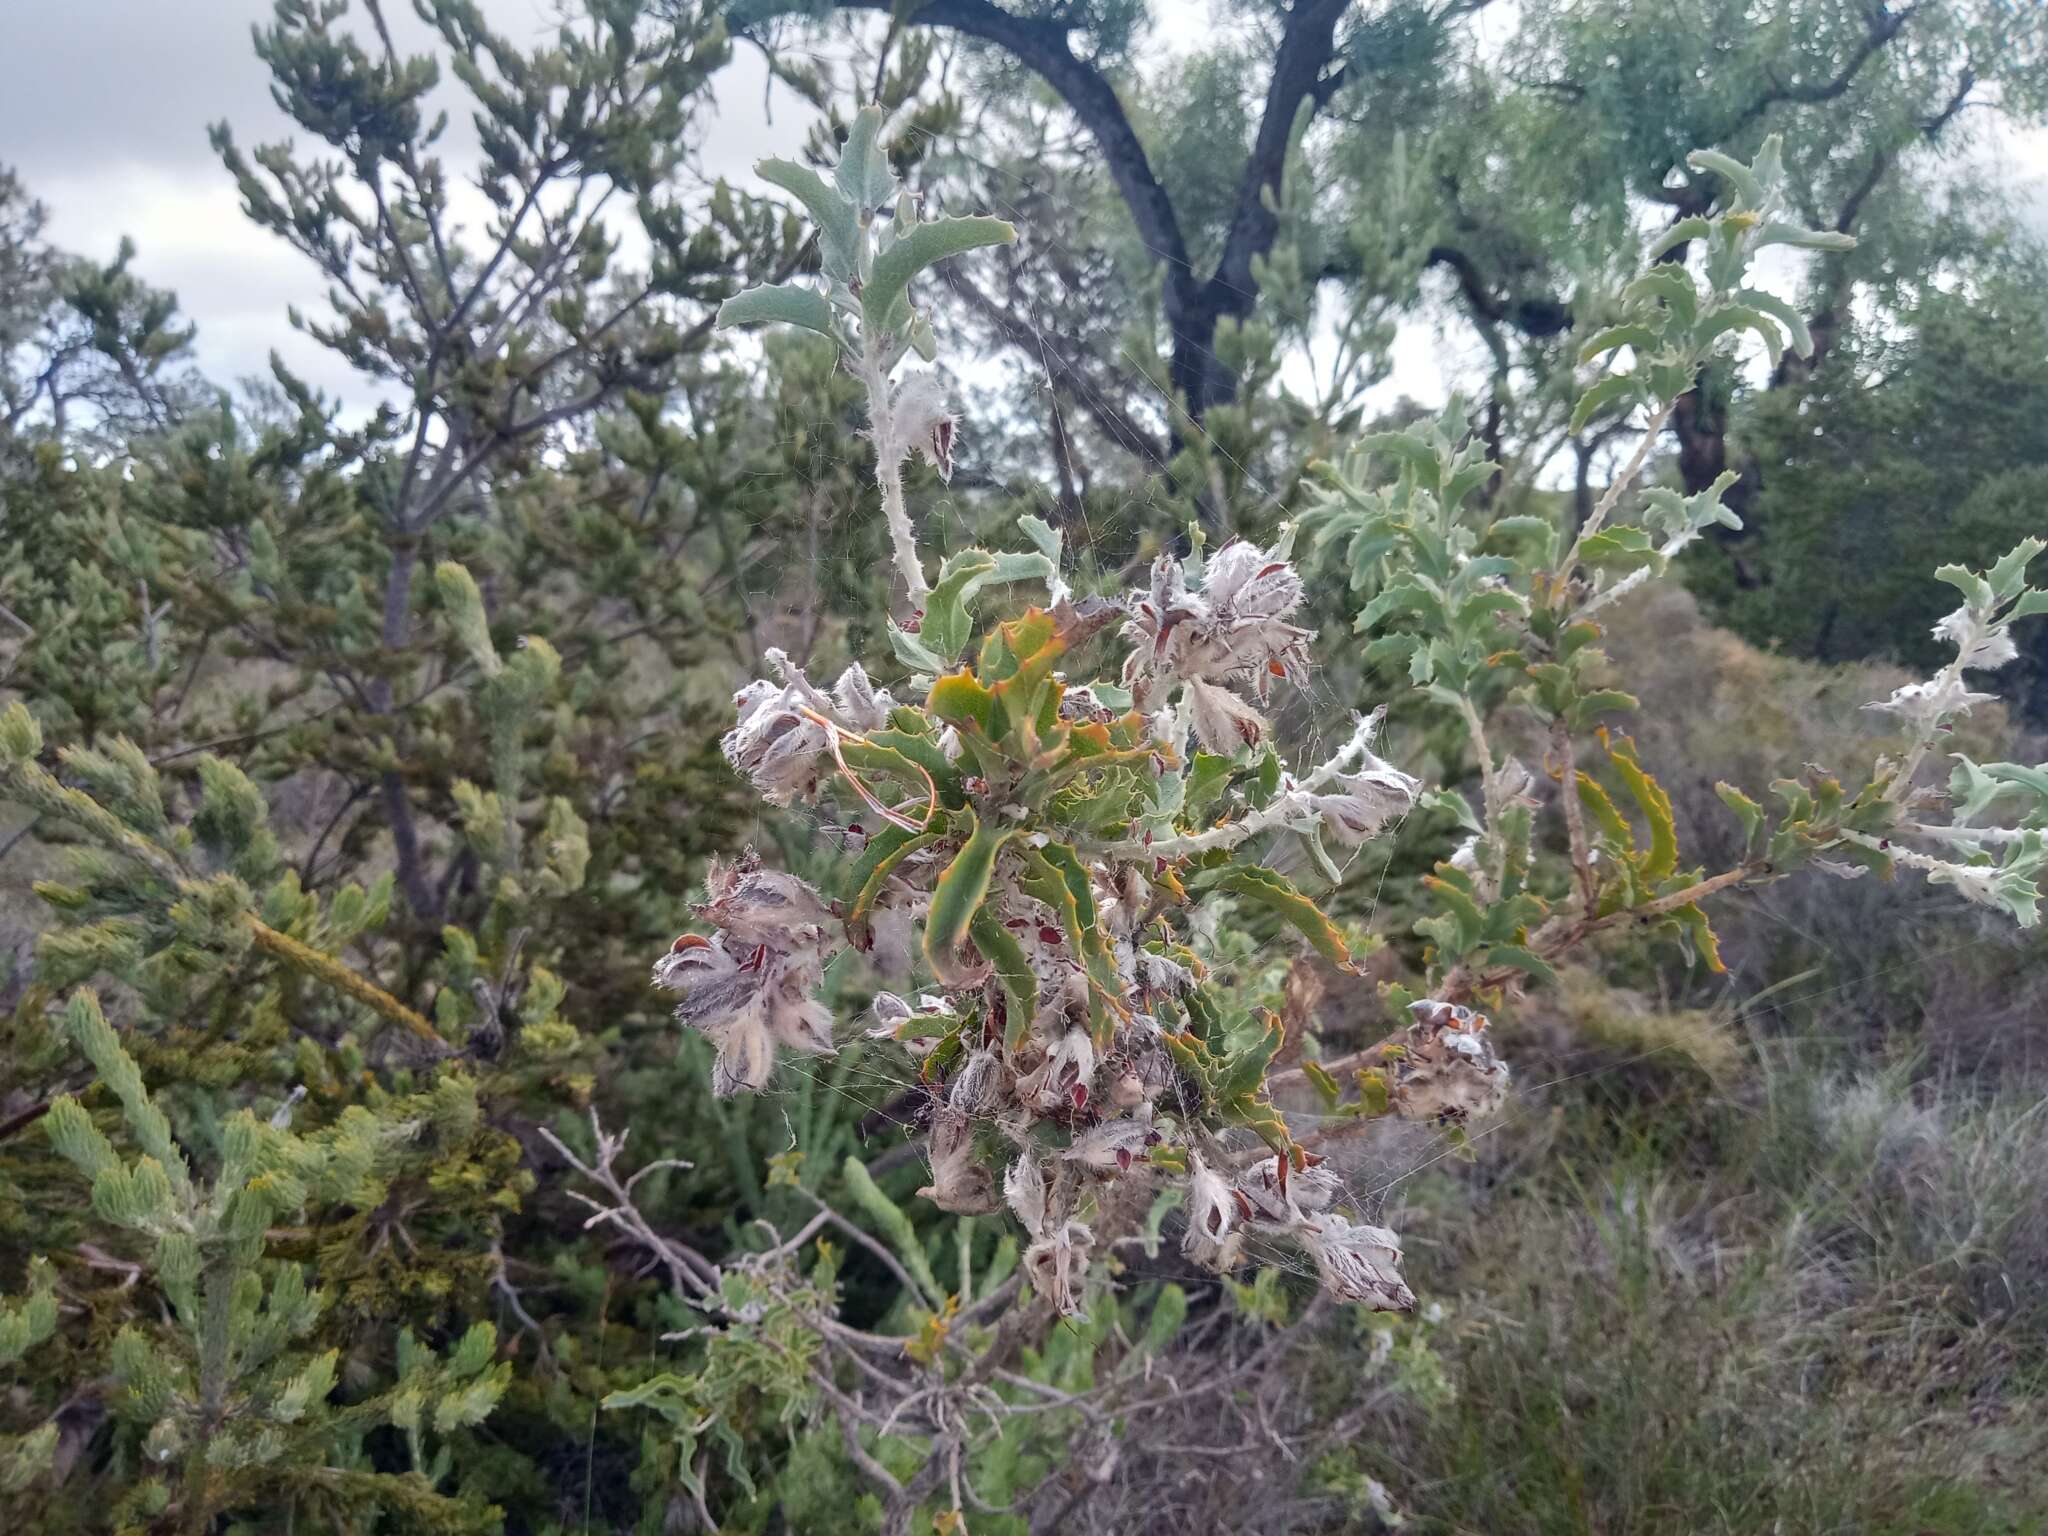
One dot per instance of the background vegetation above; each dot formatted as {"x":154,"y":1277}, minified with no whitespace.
{"x":1762,"y":1251}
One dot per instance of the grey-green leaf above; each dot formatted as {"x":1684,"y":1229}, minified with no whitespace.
{"x":1617,"y":386}
{"x":778,"y":304}
{"x":1775,"y":233}
{"x":838,"y":224}
{"x":863,"y":173}
{"x":1697,"y":227}
{"x":1730,"y":170}
{"x":1785,"y":314}
{"x":917,"y":249}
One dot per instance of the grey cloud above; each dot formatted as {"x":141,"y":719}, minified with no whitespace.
{"x":104,"y":107}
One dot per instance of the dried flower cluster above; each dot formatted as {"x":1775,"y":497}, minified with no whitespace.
{"x":1033,"y":832}
{"x":1036,"y":837}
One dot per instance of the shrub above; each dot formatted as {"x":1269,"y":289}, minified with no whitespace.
{"x":335,"y":1099}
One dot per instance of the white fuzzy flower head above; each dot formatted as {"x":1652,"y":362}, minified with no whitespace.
{"x":1233,"y":629}
{"x":1364,"y":802}
{"x":747,"y":1007}
{"x":924,"y":419}
{"x":976,"y":1088}
{"x":1448,"y":1073}
{"x":1057,"y":1266}
{"x":860,"y":704}
{"x":891,"y":1014}
{"x":1922,"y":705}
{"x":1112,"y":1146}
{"x":1261,"y":1196}
{"x":1973,"y":882}
{"x":1358,"y":1263}
{"x":782,"y":741}
{"x":781,"y":750}
{"x":1513,"y":780}
{"x":1056,"y":1263}
{"x":1245,"y":584}
{"x":1983,"y":644}
{"x":764,"y":906}
{"x":1222,"y":721}
{"x":2011,"y":885}
{"x":1212,"y":1239}
{"x":960,"y":1183}
{"x":748,"y":989}
{"x":1024,"y":1189}
{"x":1065,"y":1079}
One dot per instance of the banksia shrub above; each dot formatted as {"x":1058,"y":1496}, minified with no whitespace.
{"x":1034,"y":816}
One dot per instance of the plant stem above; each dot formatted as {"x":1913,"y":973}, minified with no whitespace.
{"x":303,"y":957}
{"x":1912,"y":858}
{"x":1566,"y":754}
{"x":1612,"y":496}
{"x":1948,"y":679}
{"x":1230,"y":834}
{"x":1989,"y":835}
{"x":1489,"y":785}
{"x":889,"y":455}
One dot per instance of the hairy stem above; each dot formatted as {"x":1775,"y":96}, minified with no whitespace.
{"x":1947,"y":680}
{"x":1279,"y":811}
{"x":889,"y":455}
{"x":1489,"y":784}
{"x":1612,"y":497}
{"x":1565,"y":764}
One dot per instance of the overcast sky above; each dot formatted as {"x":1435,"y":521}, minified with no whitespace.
{"x":104,"y":107}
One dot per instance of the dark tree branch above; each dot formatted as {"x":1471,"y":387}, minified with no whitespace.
{"x":1695,"y":195}
{"x":1885,"y":25}
{"x":1826,"y":321}
{"x":1040,"y":44}
{"x":1065,"y":373}
{"x":1306,"y":47}
{"x":1193,"y":304}
{"x":1536,"y":317}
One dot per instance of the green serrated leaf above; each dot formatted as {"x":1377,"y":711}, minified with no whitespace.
{"x":779,"y":304}
{"x":1013,"y":972}
{"x":837,"y":221}
{"x":1615,"y":337}
{"x":1272,"y":889}
{"x":958,"y":896}
{"x":1522,"y":959}
{"x":863,"y":172}
{"x":1730,"y":170}
{"x":915,"y":654}
{"x":1785,"y":314}
{"x":1776,"y":233}
{"x":886,"y":850}
{"x":947,"y":622}
{"x":917,"y":249}
{"x":1603,"y":393}
{"x":1661,"y":858}
{"x":1696,"y":227}
{"x":1747,"y":811}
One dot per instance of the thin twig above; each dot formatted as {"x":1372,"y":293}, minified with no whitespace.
{"x":1613,"y":494}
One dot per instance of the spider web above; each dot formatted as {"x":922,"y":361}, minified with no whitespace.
{"x":877,"y":1081}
